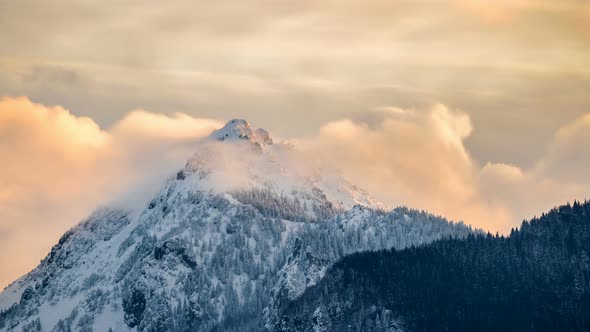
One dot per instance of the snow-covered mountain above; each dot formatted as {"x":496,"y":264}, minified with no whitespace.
{"x":243,"y":228}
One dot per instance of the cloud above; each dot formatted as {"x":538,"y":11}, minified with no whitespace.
{"x":293,"y":65}
{"x":526,"y":193}
{"x":419,"y":159}
{"x":568,"y":156}
{"x":56,"y":167}
{"x":143,"y":124}
{"x":414,"y":158}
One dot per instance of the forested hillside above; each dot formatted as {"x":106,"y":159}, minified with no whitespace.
{"x":537,"y":278}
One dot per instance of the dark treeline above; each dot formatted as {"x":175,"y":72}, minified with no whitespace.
{"x":538,"y":278}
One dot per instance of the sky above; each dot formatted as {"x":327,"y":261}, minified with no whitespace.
{"x":474,"y":110}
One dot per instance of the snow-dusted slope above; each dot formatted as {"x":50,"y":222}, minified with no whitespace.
{"x":238,"y":129}
{"x":242,"y":227}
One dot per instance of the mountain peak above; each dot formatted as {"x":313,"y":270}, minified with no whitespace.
{"x":239,"y":129}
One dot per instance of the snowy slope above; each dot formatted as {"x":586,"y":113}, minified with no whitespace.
{"x":243,"y":227}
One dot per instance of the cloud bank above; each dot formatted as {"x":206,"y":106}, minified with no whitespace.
{"x":419,"y":159}
{"x":57,"y":167}
{"x":292,"y":66}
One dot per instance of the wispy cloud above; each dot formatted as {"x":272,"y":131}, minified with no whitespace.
{"x":57,"y":167}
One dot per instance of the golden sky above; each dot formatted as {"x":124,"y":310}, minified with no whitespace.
{"x":473,"y":109}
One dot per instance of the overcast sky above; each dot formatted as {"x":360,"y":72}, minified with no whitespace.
{"x":474,"y":109}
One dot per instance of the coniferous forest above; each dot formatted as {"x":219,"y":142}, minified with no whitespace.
{"x":537,"y":278}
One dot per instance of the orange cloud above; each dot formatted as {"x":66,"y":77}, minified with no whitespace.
{"x":57,"y":167}
{"x":419,"y":159}
{"x":412,"y":158}
{"x":179,"y":126}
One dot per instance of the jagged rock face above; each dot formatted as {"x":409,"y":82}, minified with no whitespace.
{"x":236,"y":233}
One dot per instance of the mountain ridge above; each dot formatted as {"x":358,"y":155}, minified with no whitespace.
{"x":227,"y":236}
{"x":537,"y":278}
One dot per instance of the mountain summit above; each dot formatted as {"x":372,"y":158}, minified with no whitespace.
{"x":241,"y":130}
{"x":224,"y":245}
